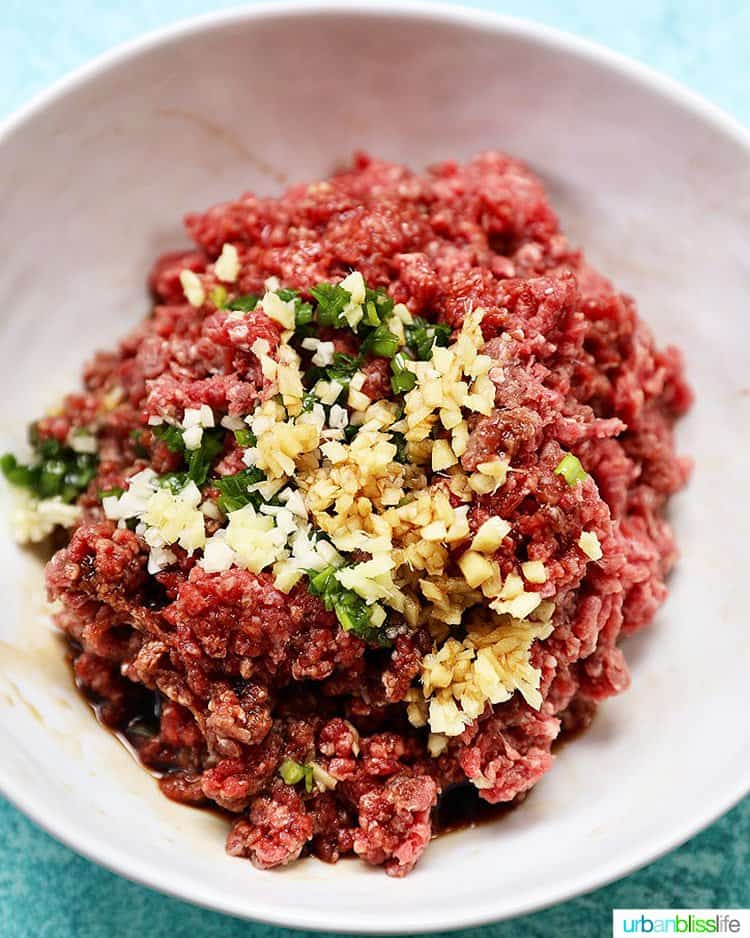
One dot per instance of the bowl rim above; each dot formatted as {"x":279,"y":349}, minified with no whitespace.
{"x":135,"y":869}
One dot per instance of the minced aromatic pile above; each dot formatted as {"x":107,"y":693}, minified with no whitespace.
{"x":360,"y":512}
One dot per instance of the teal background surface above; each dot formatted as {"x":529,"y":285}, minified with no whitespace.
{"x":46,"y":890}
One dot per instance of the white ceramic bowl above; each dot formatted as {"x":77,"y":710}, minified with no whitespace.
{"x":96,"y":175}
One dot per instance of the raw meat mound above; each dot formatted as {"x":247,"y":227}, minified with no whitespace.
{"x":248,"y":692}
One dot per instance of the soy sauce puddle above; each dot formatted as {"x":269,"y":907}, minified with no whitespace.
{"x":140,"y":719}
{"x":460,"y":806}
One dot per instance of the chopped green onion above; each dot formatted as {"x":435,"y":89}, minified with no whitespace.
{"x":421,"y":336}
{"x":570,"y":469}
{"x":402,"y":447}
{"x":303,"y":314}
{"x":245,"y":438}
{"x":308,"y":402}
{"x":319,"y":584}
{"x":57,"y":470}
{"x":378,"y":307}
{"x":343,"y":369}
{"x":16,"y":473}
{"x":174,"y":481}
{"x":402,"y":380}
{"x":234,"y":490}
{"x":351,"y":610}
{"x":171,"y":436}
{"x":51,"y":477}
{"x":308,"y":770}
{"x":198,"y":460}
{"x":381,"y":342}
{"x":244,"y":304}
{"x":291,"y":772}
{"x":332,"y":300}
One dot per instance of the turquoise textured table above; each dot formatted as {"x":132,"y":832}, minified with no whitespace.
{"x":47,"y":891}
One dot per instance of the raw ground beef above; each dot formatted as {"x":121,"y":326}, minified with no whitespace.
{"x":217,"y":678}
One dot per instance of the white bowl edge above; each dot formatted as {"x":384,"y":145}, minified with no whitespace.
{"x":159,"y":878}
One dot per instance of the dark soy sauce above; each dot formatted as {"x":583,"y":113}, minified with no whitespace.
{"x":460,"y":807}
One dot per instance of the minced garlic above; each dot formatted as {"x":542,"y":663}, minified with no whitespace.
{"x":490,"y":535}
{"x":282,"y":311}
{"x":459,"y":678}
{"x":534,"y":571}
{"x":589,"y":544}
{"x":282,"y":444}
{"x":177,"y":517}
{"x":455,"y":378}
{"x":227,"y":266}
{"x":475,"y":568}
{"x":335,"y":484}
{"x":192,"y":288}
{"x":33,"y":519}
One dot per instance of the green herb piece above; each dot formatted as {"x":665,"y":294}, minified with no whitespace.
{"x":321,"y":584}
{"x":570,"y":469}
{"x":244,"y":304}
{"x":56,"y":470}
{"x":218,"y":296}
{"x":308,"y":771}
{"x":332,"y":300}
{"x":234,"y":490}
{"x":421,"y":336}
{"x":291,"y":772}
{"x":381,"y":342}
{"x":303,"y":314}
{"x":47,"y":447}
{"x":343,"y":369}
{"x":351,"y":610}
{"x":199,"y":460}
{"x":81,"y":470}
{"x":51,"y":478}
{"x":16,"y":473}
{"x":377,"y":308}
{"x":353,"y":613}
{"x":402,"y":380}
{"x":308,"y":402}
{"x":171,"y":436}
{"x":245,"y":438}
{"x":108,"y":493}
{"x":174,"y":481}
{"x":402,"y":447}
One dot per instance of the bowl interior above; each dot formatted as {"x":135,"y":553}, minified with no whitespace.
{"x":94,"y":184}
